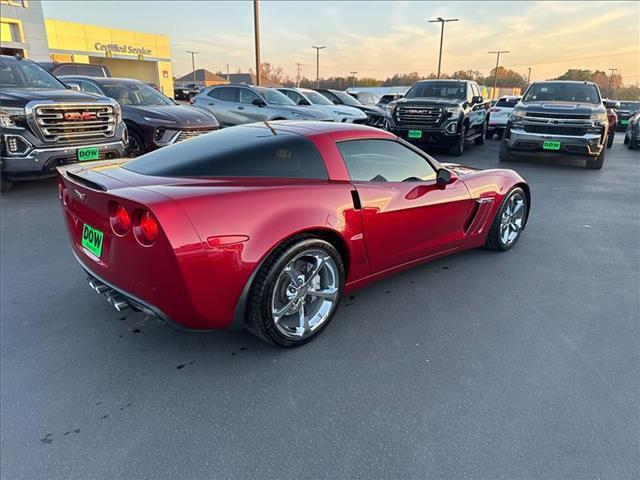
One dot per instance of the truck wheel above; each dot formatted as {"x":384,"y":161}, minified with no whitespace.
{"x":488,"y":134}
{"x":597,"y":163}
{"x":610,"y":138}
{"x":633,"y":144}
{"x":458,"y":149}
{"x":504,"y":155}
{"x":480,"y":139}
{"x":5,"y":185}
{"x":136,"y":145}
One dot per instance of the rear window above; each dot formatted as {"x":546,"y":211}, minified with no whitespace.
{"x":507,"y":102}
{"x":250,"y":151}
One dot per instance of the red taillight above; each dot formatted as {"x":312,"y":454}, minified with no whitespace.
{"x":146,"y":228}
{"x":119,"y":219}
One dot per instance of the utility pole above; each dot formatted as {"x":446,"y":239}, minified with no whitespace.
{"x":298,"y":75}
{"x":442,"y":21}
{"x":353,"y":77}
{"x":612,"y":70}
{"x":529,"y":76}
{"x":227,"y":72}
{"x":193,"y":64}
{"x":495,"y":77}
{"x":256,"y":29}
{"x":318,"y":65}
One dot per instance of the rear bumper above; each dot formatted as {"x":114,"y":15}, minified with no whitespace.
{"x":589,"y":145}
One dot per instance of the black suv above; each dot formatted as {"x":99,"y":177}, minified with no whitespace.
{"x":44,"y":124}
{"x":625,"y":112}
{"x":555,"y":118}
{"x":440,"y":113}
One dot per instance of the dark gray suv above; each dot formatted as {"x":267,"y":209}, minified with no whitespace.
{"x":238,"y":104}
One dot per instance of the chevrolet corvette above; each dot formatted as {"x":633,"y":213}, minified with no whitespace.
{"x":266,"y":226}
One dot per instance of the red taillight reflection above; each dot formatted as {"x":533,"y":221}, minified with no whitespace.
{"x":146,"y":228}
{"x":120,"y":220}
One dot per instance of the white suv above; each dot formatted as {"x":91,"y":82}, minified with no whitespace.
{"x":499,"y":114}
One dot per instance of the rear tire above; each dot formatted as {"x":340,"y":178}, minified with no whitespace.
{"x":597,"y":163}
{"x":633,"y":144}
{"x":509,"y":221}
{"x":489,"y":134}
{"x":303,"y":279}
{"x":480,"y":139}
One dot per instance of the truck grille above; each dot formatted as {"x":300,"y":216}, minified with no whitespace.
{"x":188,"y":134}
{"x":419,"y":115}
{"x":556,"y":129}
{"x":75,"y":122}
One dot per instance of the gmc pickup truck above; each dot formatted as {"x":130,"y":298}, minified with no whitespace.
{"x":558,"y":118}
{"x":45,"y":124}
{"x":440,"y":113}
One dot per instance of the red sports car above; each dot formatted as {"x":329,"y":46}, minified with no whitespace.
{"x":266,"y":226}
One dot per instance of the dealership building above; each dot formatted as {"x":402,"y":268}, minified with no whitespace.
{"x":25,"y":31}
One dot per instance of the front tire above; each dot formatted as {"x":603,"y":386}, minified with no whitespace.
{"x":610,"y":138}
{"x":509,"y":221}
{"x":5,"y":185}
{"x":136,"y":145}
{"x":296,"y":292}
{"x":633,"y":144}
{"x":458,"y":149}
{"x":504,"y":155}
{"x":489,"y":134}
{"x":596,"y":164}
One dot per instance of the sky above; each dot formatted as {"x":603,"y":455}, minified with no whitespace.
{"x":378,"y":38}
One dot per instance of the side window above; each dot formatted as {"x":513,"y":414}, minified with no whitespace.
{"x":384,"y":161}
{"x":475,"y":91}
{"x":225,"y":94}
{"x":246,"y":96}
{"x":470,"y":93}
{"x":89,"y":88}
{"x":91,"y":70}
{"x":65,"y":70}
{"x":295,"y":97}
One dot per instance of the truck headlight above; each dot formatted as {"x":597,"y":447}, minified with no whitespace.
{"x":453,"y":111}
{"x":599,"y":118}
{"x":118,"y":109}
{"x":9,"y":116}
{"x":517,"y":116}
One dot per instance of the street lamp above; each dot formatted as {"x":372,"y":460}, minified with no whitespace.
{"x":495,"y":77}
{"x":318,"y":65}
{"x":256,"y":31}
{"x":193,"y":64}
{"x":353,"y":78}
{"x":442,"y":21}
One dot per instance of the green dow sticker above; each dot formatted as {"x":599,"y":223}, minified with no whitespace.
{"x":551,"y":145}
{"x":92,"y":240}
{"x":415,"y":133}
{"x":88,"y":153}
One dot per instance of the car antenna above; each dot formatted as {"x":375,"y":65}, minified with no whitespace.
{"x":270,"y":128}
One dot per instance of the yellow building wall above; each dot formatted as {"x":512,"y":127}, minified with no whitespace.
{"x":111,"y":46}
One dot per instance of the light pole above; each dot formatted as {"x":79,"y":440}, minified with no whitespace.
{"x":353,"y":78}
{"x":612,"y":70}
{"x":318,"y":65}
{"x":298,"y":76}
{"x":442,"y":21}
{"x":256,"y":30}
{"x":193,"y":64}
{"x":529,"y":76}
{"x":495,"y":77}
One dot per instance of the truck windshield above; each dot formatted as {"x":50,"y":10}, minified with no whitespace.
{"x":135,"y":94}
{"x":562,"y":92}
{"x":26,"y":74}
{"x":633,"y":106}
{"x":453,"y":90}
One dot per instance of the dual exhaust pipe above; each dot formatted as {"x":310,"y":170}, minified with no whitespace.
{"x":117,"y":300}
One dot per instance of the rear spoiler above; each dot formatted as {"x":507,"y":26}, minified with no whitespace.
{"x":88,"y":174}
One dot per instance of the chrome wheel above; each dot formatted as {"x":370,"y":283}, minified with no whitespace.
{"x":305,"y":294}
{"x":512,"y":219}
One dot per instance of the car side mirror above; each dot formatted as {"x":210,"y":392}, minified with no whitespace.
{"x":611,"y":104}
{"x":476,"y":99}
{"x":73,"y":86}
{"x":258,"y":102}
{"x":445,"y":177}
{"x":302,"y":101}
{"x":336,"y":102}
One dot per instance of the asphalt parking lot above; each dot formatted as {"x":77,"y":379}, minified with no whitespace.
{"x":482,"y":365}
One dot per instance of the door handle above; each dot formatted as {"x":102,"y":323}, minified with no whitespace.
{"x":211,"y":103}
{"x":240,"y":108}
